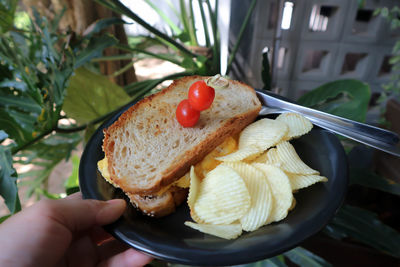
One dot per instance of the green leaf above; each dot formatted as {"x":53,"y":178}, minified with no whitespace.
{"x":14,"y":84}
{"x":277,"y":261}
{"x":13,"y":129}
{"x":25,"y":121}
{"x":365,"y":227}
{"x":118,"y":7}
{"x":303,"y":257}
{"x":3,"y":135}
{"x":45,"y":155}
{"x":369,"y":179}
{"x":7,"y":12}
{"x":394,"y":60}
{"x":72,"y":183}
{"x":47,"y":194}
{"x":101,"y":24}
{"x":8,"y":181}
{"x":90,"y":95}
{"x":185,"y":20}
{"x":22,"y":103}
{"x":345,"y":98}
{"x":184,"y":37}
{"x":164,"y":56}
{"x":188,"y":63}
{"x":205,"y":24}
{"x":170,"y":23}
{"x":134,"y":87}
{"x":94,"y":49}
{"x":5,"y":217}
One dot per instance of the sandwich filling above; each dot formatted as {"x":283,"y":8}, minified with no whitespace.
{"x":204,"y":166}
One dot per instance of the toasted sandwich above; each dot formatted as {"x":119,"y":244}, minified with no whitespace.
{"x":148,"y":153}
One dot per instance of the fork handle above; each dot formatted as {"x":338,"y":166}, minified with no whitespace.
{"x":366,"y":134}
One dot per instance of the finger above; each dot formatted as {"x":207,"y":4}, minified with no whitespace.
{"x":99,"y":236}
{"x":81,"y":252}
{"x":77,"y":195}
{"x":130,"y":257}
{"x":79,"y":215}
{"x":110,"y":248}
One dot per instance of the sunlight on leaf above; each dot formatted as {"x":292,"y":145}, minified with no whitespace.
{"x":45,"y":155}
{"x":90,"y":95}
{"x":7,"y":11}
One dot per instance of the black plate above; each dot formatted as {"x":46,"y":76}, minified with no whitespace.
{"x":170,"y":240}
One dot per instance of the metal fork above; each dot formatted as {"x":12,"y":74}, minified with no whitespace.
{"x":366,"y":134}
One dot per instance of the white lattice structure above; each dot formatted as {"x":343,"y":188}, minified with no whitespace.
{"x":327,"y":40}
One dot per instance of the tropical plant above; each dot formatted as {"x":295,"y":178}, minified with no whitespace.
{"x":36,"y":65}
{"x":42,"y":76}
{"x":182,"y":41}
{"x":392,"y":88}
{"x":350,"y":98}
{"x":45,"y":113}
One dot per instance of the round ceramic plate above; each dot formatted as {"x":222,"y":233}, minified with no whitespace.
{"x":169,"y":239}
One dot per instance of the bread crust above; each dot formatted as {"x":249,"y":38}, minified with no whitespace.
{"x":230,"y":127}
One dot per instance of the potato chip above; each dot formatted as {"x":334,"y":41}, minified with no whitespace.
{"x":280,"y":189}
{"x":193,"y":193}
{"x":184,"y":181}
{"x":298,"y":124}
{"x":291,"y":162}
{"x":260,"y":193}
{"x":227,"y":231}
{"x":273,"y":157}
{"x":261,"y":158}
{"x":241,"y":154}
{"x":263,"y":133}
{"x":193,"y":189}
{"x":223,"y":197}
{"x":298,"y":181}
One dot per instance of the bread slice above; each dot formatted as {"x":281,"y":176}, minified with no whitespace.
{"x":147,"y":149}
{"x":159,"y":205}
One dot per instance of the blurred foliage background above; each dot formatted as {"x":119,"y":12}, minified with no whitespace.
{"x":65,"y":67}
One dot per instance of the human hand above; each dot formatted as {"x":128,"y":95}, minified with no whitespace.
{"x":66,"y":232}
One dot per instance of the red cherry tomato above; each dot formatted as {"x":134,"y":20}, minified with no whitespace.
{"x":186,"y":115}
{"x":201,"y":95}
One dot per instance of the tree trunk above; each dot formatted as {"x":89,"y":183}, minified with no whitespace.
{"x":77,"y":17}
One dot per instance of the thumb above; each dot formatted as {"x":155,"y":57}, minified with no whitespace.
{"x":111,"y":211}
{"x":78,"y":214}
